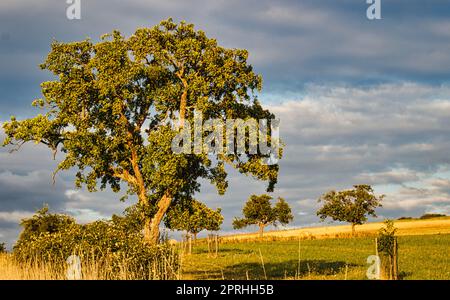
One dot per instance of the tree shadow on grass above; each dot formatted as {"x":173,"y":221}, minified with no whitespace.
{"x":287,"y":269}
{"x":228,"y":251}
{"x":403,"y":275}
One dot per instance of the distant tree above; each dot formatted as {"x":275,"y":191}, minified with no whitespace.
{"x":431,"y":216}
{"x":194,"y":218}
{"x":351,"y":206}
{"x":215,"y":220}
{"x":283,"y":211}
{"x":2,"y":248}
{"x":259,"y":211}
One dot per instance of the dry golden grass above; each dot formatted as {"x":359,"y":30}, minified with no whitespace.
{"x":11,"y":270}
{"x":90,"y":270}
{"x":404,"y":227}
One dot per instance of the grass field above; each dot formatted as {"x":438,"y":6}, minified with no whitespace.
{"x":322,"y":253}
{"x":420,"y":257}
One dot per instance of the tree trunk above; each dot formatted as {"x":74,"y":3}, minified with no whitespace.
{"x":183,"y":108}
{"x":261,"y":230}
{"x":147,"y":230}
{"x":183,"y":100}
{"x":353,"y":230}
{"x":385,"y":267}
{"x":151,"y":226}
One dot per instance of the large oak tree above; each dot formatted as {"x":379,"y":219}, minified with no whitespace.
{"x":110,"y":108}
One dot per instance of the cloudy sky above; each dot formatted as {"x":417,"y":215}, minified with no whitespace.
{"x":359,"y":101}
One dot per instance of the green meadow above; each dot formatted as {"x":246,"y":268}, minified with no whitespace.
{"x":420,"y":257}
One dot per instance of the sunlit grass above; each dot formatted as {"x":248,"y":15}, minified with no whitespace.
{"x":420,"y":257}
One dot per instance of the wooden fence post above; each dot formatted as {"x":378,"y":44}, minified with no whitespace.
{"x":388,"y":261}
{"x":395,"y":258}
{"x":217,"y":244}
{"x":208,"y":240}
{"x":190,"y":243}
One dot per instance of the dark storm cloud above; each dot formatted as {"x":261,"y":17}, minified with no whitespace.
{"x":290,"y":42}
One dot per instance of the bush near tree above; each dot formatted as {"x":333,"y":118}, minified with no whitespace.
{"x":115,"y":244}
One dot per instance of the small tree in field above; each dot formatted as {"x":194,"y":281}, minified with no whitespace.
{"x":351,"y":206}
{"x":259,"y":211}
{"x":387,"y":250}
{"x":194,"y":218}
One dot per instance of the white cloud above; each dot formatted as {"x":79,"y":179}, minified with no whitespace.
{"x":436,"y":209}
{"x":85,"y":215}
{"x":385,"y":135}
{"x":14,"y":216}
{"x":77,"y":195}
{"x":395,"y":176}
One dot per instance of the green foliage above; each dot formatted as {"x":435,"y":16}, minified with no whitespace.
{"x":259,"y":211}
{"x":43,"y":222}
{"x":194,"y":218}
{"x":111,"y":243}
{"x":387,"y":247}
{"x":131,"y":221}
{"x":283,"y":212}
{"x":109,"y":112}
{"x":386,"y":238}
{"x":351,"y":206}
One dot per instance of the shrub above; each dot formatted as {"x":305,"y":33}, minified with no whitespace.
{"x":109,"y":244}
{"x":42,"y":221}
{"x":2,"y":248}
{"x":387,"y":250}
{"x":386,"y":238}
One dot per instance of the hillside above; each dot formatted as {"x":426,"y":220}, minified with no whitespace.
{"x":405,"y":227}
